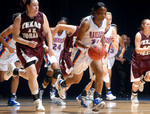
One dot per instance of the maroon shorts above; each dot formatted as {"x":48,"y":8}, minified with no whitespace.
{"x":65,"y":63}
{"x":31,"y":52}
{"x":140,"y":67}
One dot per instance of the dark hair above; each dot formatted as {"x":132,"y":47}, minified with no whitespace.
{"x":64,"y":19}
{"x":15,"y":15}
{"x":97,"y":6}
{"x":24,"y":3}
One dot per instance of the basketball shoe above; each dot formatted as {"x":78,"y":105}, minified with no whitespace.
{"x":12,"y":102}
{"x":52,"y":93}
{"x":98,"y":104}
{"x":110,"y":96}
{"x":9,"y":73}
{"x":38,"y":105}
{"x":81,"y":100}
{"x":58,"y":101}
{"x":61,"y":89}
{"x":134,"y":98}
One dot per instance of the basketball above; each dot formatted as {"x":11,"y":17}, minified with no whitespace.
{"x":96,"y":52}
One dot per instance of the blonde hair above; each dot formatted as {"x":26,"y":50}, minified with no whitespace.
{"x":108,"y":13}
{"x":143,"y":23}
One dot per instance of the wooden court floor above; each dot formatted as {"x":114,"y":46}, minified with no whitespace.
{"x":72,"y":107}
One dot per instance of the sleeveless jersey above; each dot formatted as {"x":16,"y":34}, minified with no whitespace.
{"x":145,"y":42}
{"x":32,"y":29}
{"x":3,"y":49}
{"x":111,"y":51}
{"x":58,"y":43}
{"x":107,"y":35}
{"x":94,"y":34}
{"x":65,"y":56}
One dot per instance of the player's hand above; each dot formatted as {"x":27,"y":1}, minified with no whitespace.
{"x":51,"y":52}
{"x":112,"y":39}
{"x":32,"y":44}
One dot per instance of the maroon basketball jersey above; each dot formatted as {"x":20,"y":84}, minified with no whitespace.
{"x":69,"y":41}
{"x":145,"y":42}
{"x":32,"y":29}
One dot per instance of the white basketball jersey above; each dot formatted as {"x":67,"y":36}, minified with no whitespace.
{"x":59,"y":44}
{"x":107,"y":36}
{"x":4,"y":52}
{"x":112,"y":51}
{"x":94,"y":33}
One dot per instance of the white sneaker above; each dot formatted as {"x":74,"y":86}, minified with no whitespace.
{"x":61,"y":90}
{"x":9,"y":73}
{"x":39,"y":106}
{"x":58,"y":101}
{"x":134,"y":98}
{"x":52,"y":93}
{"x":110,"y":96}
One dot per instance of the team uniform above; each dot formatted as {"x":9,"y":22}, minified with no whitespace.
{"x":93,"y":36}
{"x":140,"y":61}
{"x":66,"y":64}
{"x":32,"y":30}
{"x":5,"y":56}
{"x":57,"y":47}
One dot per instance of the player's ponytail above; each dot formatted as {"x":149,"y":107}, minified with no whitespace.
{"x":24,"y":3}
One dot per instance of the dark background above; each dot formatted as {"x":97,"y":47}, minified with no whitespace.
{"x":127,"y":14}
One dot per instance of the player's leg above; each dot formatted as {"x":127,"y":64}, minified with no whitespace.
{"x":14,"y":87}
{"x":135,"y":86}
{"x":97,"y":68}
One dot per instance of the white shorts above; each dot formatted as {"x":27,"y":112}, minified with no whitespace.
{"x":111,"y":61}
{"x":12,"y":58}
{"x":81,"y":61}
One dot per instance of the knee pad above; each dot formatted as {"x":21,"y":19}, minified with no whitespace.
{"x":56,"y":73}
{"x":48,"y":79}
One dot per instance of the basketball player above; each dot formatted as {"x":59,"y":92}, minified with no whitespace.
{"x":92,"y":29}
{"x":29,"y":37}
{"x":140,"y":67}
{"x":58,"y":42}
{"x":8,"y":55}
{"x":111,"y":47}
{"x":111,"y":44}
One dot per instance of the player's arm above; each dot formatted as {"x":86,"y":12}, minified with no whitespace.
{"x":16,"y":32}
{"x":121,"y":42}
{"x":83,"y":28}
{"x":114,"y":39}
{"x":4,"y":34}
{"x":48,"y":35}
{"x":138,"y":44}
{"x":69,"y":28}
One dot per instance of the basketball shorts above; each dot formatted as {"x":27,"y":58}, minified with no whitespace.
{"x":11,"y":58}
